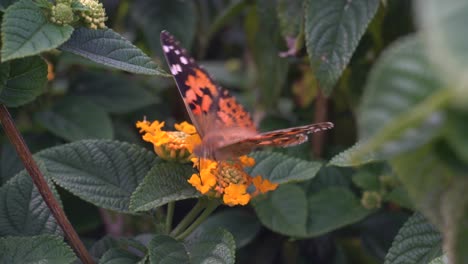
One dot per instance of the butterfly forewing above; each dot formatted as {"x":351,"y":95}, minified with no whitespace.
{"x":210,"y":107}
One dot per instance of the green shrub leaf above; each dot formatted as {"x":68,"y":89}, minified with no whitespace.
{"x":348,"y":157}
{"x":167,"y":250}
{"x":157,"y":15}
{"x":291,"y":16}
{"x":22,"y":80}
{"x":118,"y":256}
{"x":213,"y":246}
{"x":35,"y":249}
{"x":265,"y":41}
{"x":113,"y":93}
{"x":280,"y":168}
{"x":441,"y":24}
{"x":244,"y":226}
{"x":23,"y":212}
{"x":402,"y":101}
{"x":165,"y":182}
{"x":417,"y":242}
{"x":332,"y":32}
{"x":26,"y":31}
{"x":107,"y":47}
{"x":75,"y":118}
{"x":102,"y":172}
{"x":283,"y":210}
{"x":290,"y":211}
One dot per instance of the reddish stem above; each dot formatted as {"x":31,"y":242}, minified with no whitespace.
{"x":321,"y":115}
{"x":25,"y":155}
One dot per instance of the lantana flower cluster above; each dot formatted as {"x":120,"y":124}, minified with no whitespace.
{"x":226,"y":180}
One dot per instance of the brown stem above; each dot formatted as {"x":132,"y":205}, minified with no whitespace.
{"x":321,"y":115}
{"x":23,"y":152}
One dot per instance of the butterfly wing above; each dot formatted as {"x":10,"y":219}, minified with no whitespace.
{"x":210,"y":107}
{"x":287,"y":137}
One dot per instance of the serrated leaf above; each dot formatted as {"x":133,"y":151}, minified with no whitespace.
{"x":399,"y":196}
{"x":158,"y":15}
{"x":332,"y":33}
{"x":4,"y":4}
{"x":35,"y":249}
{"x":290,"y":211}
{"x":280,"y":168}
{"x":118,"y":256}
{"x":216,"y":245}
{"x":454,"y":133}
{"x":264,"y":39}
{"x":402,"y":101}
{"x":167,"y":250}
{"x":26,"y":31}
{"x":23,"y":212}
{"x":75,"y":118}
{"x":367,"y":180}
{"x":440,"y":260}
{"x":165,"y":182}
{"x":113,"y":93}
{"x":291,"y":16}
{"x":107,"y":47}
{"x":244,"y":226}
{"x":10,"y":164}
{"x":25,"y":80}
{"x":102,"y":172}
{"x":417,"y":242}
{"x":441,"y":24}
{"x":348,"y":158}
{"x":331,"y":209}
{"x":284,"y":210}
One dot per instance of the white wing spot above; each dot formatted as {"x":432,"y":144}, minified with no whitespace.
{"x":183,"y":60}
{"x":166,"y":48}
{"x":177,"y":52}
{"x":171,"y":47}
{"x":174,"y":69}
{"x":178,"y":68}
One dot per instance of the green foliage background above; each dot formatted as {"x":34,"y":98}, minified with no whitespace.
{"x":386,"y":187}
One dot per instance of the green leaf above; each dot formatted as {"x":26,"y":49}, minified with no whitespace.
{"x":158,"y":15}
{"x":290,"y":211}
{"x":417,"y":242}
{"x":225,"y":16}
{"x":4,"y":4}
{"x":75,"y":118}
{"x":212,"y":246}
{"x":283,"y":210}
{"x":167,"y":250}
{"x":399,"y":196}
{"x":441,"y":24}
{"x":331,"y":209}
{"x":332,"y":32}
{"x":216,"y":246}
{"x":280,"y":168}
{"x":455,"y":133}
{"x":23,"y":212}
{"x":264,"y":39}
{"x":10,"y":164}
{"x":243,"y":225}
{"x":348,"y":157}
{"x":22,"y":80}
{"x":26,"y":31}
{"x":102,"y":172}
{"x":165,"y":182}
{"x":367,"y":180}
{"x":402,"y":101}
{"x":36,"y":249}
{"x":113,"y":93}
{"x":107,"y":47}
{"x":291,"y":16}
{"x":440,"y":260}
{"x":118,"y":256}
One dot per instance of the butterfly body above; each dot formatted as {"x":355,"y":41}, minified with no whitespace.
{"x":225,"y":127}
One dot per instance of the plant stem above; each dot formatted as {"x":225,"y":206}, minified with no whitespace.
{"x":321,"y":115}
{"x":41,"y":184}
{"x":189,"y":217}
{"x":209,"y":209}
{"x":169,"y":216}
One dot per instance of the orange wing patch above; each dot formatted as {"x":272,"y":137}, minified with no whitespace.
{"x":200,"y":87}
{"x":232,"y":113}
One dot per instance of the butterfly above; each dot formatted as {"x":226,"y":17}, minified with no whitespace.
{"x":225,"y":127}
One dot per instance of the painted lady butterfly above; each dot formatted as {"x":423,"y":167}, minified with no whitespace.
{"x":225,"y":128}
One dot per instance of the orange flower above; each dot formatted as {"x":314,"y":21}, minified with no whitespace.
{"x":263,"y":185}
{"x":236,"y":194}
